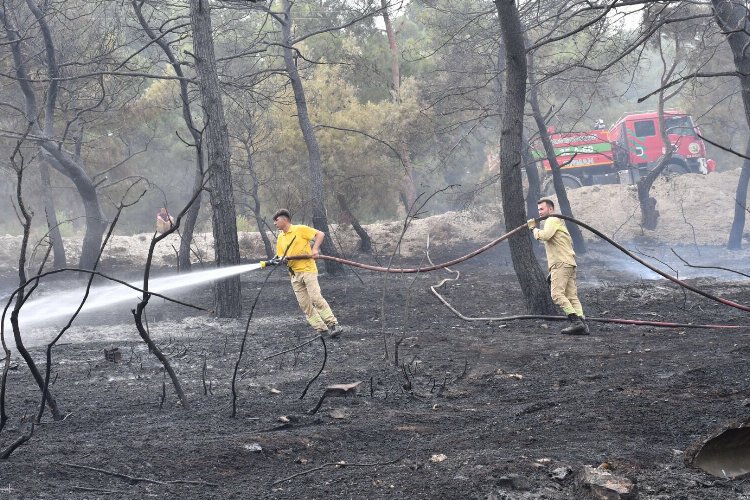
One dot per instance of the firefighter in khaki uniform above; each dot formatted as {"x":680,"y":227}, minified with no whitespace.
{"x":561,"y":260}
{"x":294,"y":239}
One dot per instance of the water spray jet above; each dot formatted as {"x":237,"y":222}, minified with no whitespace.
{"x":43,"y":310}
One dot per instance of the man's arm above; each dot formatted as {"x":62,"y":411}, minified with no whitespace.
{"x":550,"y":228}
{"x":319,"y":236}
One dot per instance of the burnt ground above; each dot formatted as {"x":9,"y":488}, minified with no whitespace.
{"x":509,"y":405}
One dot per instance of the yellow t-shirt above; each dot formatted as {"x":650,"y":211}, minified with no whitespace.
{"x":557,"y":242}
{"x":300,"y":246}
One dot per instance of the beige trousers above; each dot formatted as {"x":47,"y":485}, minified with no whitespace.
{"x":563,"y":289}
{"x":316,"y":309}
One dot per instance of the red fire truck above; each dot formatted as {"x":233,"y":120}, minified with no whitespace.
{"x":628,"y":150}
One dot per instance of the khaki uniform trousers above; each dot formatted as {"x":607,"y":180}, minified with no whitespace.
{"x":311,"y":301}
{"x":563,"y":288}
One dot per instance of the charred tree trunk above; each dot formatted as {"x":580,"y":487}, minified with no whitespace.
{"x":649,"y":213}
{"x":408,"y":193}
{"x":365,"y":243}
{"x":315,"y":164}
{"x":184,"y":262}
{"x":59,"y":259}
{"x":226,"y":246}
{"x":96,"y":223}
{"x":740,"y":206}
{"x":530,"y":276}
{"x":58,"y":249}
{"x":733,"y":17}
{"x":562,"y":195}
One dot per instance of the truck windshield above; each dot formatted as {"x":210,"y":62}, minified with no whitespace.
{"x":679,"y":125}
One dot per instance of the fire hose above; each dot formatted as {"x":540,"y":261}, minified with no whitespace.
{"x":444,"y":265}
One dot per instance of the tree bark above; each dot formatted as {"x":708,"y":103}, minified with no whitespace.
{"x":315,"y":164}
{"x":562,"y":195}
{"x":95,"y":220}
{"x":733,"y":18}
{"x":530,"y":276}
{"x":365,"y":243}
{"x":740,"y":206}
{"x":58,"y":248}
{"x":649,"y":213}
{"x":226,"y":246}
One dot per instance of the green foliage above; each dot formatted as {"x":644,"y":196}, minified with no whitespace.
{"x":245,"y":225}
{"x":447,"y":118}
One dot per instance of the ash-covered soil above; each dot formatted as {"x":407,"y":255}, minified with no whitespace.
{"x":469,"y":409}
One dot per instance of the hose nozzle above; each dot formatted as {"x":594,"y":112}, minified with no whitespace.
{"x":271,"y":262}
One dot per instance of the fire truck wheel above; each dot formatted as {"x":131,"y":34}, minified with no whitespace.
{"x":672,"y":170}
{"x":569,"y":181}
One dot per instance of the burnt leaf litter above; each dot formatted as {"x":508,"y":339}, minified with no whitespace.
{"x":484,"y":409}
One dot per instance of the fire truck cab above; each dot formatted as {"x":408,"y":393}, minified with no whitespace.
{"x":637,"y":143}
{"x":627,"y":151}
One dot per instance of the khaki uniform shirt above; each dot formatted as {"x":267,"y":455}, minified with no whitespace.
{"x":557,"y":242}
{"x":300,"y":246}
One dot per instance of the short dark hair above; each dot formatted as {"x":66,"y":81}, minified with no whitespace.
{"x":547,"y":202}
{"x":282,"y":213}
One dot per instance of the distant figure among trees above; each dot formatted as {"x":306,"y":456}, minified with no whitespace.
{"x":164,"y":221}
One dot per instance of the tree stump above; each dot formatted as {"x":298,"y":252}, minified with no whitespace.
{"x":336,"y":390}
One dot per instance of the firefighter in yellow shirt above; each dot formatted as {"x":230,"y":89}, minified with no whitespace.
{"x":294,"y":239}
{"x":561,"y":260}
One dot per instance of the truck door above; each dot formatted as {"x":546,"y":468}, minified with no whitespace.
{"x":645,"y":142}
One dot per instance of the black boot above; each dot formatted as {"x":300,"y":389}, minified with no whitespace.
{"x":587,"y":331}
{"x":577,"y":327}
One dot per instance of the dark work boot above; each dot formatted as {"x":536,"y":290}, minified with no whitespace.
{"x":577,"y":327}
{"x":587,"y":331}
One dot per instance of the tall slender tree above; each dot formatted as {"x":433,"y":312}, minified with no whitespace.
{"x":562,"y":195}
{"x":733,"y":17}
{"x":530,"y":275}
{"x":226,"y":246}
{"x":315,"y":165}
{"x":67,"y":163}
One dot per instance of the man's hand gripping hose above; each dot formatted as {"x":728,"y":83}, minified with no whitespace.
{"x":276,"y":260}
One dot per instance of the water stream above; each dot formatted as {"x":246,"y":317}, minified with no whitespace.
{"x":43,"y":310}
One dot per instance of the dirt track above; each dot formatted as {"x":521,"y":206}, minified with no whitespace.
{"x":510,"y":405}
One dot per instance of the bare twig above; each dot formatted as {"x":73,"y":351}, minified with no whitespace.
{"x":343,"y":464}
{"x":244,"y":340}
{"x":708,"y":267}
{"x":292,"y":348}
{"x":138,"y":479}
{"x":98,"y":490}
{"x":4,"y":454}
{"x":322,"y":367}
